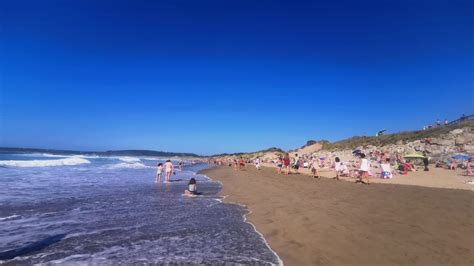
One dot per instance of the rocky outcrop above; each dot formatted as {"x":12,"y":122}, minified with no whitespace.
{"x":459,"y":140}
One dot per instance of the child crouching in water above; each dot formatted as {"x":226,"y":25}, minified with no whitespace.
{"x":192,"y":188}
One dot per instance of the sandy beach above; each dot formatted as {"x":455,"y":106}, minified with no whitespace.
{"x":327,"y":222}
{"x":435,"y":178}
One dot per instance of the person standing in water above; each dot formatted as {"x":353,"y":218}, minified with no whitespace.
{"x":159,"y":171}
{"x":180,"y":165}
{"x":169,"y":168}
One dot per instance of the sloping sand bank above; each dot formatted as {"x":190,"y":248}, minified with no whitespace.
{"x":326,"y":222}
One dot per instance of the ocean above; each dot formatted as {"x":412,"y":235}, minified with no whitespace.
{"x":108,"y":210}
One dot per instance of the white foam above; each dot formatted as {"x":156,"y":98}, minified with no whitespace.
{"x":280,"y":261}
{"x":129,"y":165}
{"x":51,"y":155}
{"x":43,"y":163}
{"x":9,"y":217}
{"x":128,"y":159}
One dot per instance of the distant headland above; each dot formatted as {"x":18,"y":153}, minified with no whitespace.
{"x":99,"y":153}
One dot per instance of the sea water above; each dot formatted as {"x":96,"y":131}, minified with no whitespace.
{"x":108,"y":210}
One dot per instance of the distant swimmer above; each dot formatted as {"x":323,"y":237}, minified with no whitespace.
{"x":169,"y":169}
{"x":180,"y":165}
{"x":159,"y":171}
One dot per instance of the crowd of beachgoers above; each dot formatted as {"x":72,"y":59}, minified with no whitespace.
{"x":450,"y":150}
{"x":361,"y":165}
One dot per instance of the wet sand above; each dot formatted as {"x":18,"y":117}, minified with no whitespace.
{"x":327,"y":222}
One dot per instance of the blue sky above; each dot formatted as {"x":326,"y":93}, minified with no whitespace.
{"x":227,"y":76}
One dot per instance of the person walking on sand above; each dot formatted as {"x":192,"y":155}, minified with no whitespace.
{"x":314,"y":167}
{"x":257,"y":163}
{"x":363,"y":170}
{"x":297,"y":163}
{"x":279,"y":164}
{"x":286,"y":163}
{"x":241,"y":163}
{"x":169,"y":168}
{"x":338,"y":167}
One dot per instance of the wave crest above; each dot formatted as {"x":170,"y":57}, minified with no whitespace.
{"x":45,"y":163}
{"x":129,"y":165}
{"x":128,"y":159}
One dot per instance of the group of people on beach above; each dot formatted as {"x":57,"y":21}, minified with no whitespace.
{"x":361,"y":169}
{"x":169,"y":170}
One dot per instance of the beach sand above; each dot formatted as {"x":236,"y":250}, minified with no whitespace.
{"x":435,"y":178}
{"x":327,"y":222}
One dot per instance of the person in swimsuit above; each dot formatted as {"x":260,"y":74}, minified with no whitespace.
{"x":315,"y":167}
{"x":159,"y":171}
{"x":286,"y":163}
{"x":387,"y":172}
{"x":297,"y":163}
{"x":338,"y":167}
{"x":469,"y":167}
{"x":169,"y":168}
{"x":363,"y":170}
{"x":192,"y":188}
{"x":241,"y":163}
{"x":279,"y":164}
{"x":257,"y":163}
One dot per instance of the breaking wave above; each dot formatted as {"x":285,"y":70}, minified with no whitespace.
{"x":129,"y":165}
{"x":128,"y":159}
{"x":44,"y":163}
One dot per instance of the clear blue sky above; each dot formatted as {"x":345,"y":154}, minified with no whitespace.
{"x":227,"y":76}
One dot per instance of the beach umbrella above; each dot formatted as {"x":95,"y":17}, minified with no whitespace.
{"x":356,"y":151}
{"x":414,"y":156}
{"x":461,"y":156}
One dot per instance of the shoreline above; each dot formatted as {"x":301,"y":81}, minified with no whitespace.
{"x":322,"y":222}
{"x":245,"y":216}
